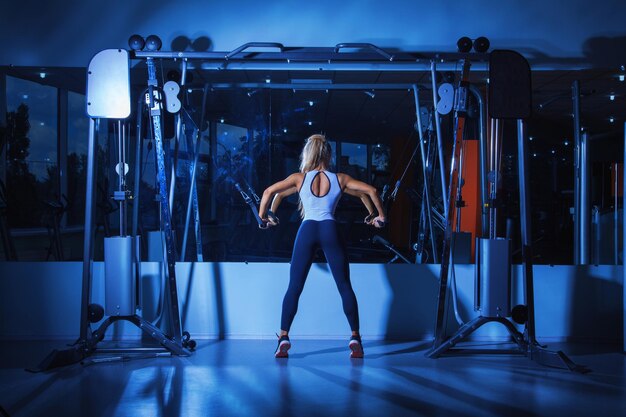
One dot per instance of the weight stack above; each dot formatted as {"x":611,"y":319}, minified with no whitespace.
{"x":492,"y":279}
{"x":120,"y":276}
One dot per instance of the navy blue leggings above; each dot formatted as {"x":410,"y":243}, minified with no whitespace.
{"x":311,"y":235}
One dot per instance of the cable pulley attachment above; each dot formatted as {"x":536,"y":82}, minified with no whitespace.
{"x":255,"y":211}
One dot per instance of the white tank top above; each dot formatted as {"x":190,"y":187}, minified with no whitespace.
{"x":322,"y":207}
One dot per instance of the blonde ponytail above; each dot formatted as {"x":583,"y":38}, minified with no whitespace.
{"x":316,"y":153}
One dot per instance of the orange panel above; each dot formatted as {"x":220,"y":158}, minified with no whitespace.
{"x":470,"y":214}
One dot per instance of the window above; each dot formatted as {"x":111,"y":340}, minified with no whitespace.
{"x":381,"y":167}
{"x":32,"y":174}
{"x":354,"y":160}
{"x":77,"y":141}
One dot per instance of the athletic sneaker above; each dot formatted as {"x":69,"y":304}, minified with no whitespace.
{"x":283,"y":347}
{"x":356,"y":348}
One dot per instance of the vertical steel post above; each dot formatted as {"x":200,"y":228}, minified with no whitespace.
{"x":624,"y":236}
{"x":576,"y":117}
{"x":3,"y":125}
{"x":492,"y":181}
{"x":88,"y":235}
{"x":442,"y":168}
{"x":123,"y":226}
{"x":137,"y":171}
{"x":526,"y":228}
{"x":584,"y":215}
{"x":615,"y":214}
{"x":120,"y":173}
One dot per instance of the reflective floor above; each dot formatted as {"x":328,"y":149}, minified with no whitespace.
{"x":242,"y":378}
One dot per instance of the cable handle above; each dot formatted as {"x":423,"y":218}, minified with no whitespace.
{"x":245,"y":196}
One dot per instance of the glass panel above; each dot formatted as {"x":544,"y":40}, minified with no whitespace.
{"x":233,"y":151}
{"x":32,"y":183}
{"x":354,"y":160}
{"x":254,"y":138}
{"x":333,"y":162}
{"x":381,"y":165}
{"x":77,"y":141}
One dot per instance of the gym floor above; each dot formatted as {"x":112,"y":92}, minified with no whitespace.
{"x":242,"y":378}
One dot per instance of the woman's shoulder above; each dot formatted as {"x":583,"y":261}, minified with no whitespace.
{"x":297,"y":177}
{"x":342,"y":178}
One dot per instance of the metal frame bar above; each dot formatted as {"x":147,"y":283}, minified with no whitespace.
{"x":469,"y":328}
{"x":427,"y":201}
{"x":172,"y":345}
{"x":314,"y":55}
{"x":327,"y":58}
{"x":526,"y":228}
{"x":308,"y":87}
{"x":440,"y":150}
{"x":192,"y":202}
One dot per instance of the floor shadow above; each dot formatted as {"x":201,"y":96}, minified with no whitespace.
{"x":410,"y":404}
{"x":486,"y":406}
{"x":285,"y":388}
{"x":419,"y":347}
{"x":37,"y":392}
{"x":219,"y":301}
{"x":202,"y":345}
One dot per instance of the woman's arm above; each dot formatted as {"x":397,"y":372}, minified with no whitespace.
{"x":289,"y":184}
{"x":278,"y":198}
{"x":367,"y":202}
{"x":349,"y":184}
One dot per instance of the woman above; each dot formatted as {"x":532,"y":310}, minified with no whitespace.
{"x":319,"y":191}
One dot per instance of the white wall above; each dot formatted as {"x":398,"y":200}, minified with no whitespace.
{"x":70,"y":32}
{"x":239,"y":300}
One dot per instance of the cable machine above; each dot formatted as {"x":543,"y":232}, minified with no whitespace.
{"x":108,"y":101}
{"x":510,"y":77}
